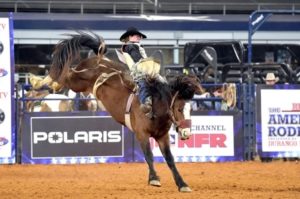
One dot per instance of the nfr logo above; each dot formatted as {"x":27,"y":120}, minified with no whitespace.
{"x":196,"y":141}
{"x":216,"y":140}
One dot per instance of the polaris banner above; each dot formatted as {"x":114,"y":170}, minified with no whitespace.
{"x":217,"y":136}
{"x":278,"y":121}
{"x":7,"y":118}
{"x":73,"y":138}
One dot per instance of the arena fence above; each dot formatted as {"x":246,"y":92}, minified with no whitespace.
{"x":91,"y":137}
{"x":218,"y":135}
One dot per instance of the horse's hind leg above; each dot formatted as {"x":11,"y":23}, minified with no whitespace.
{"x":153,"y":178}
{"x":164,"y":146}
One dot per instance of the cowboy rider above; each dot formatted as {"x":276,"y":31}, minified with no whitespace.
{"x":132,"y":46}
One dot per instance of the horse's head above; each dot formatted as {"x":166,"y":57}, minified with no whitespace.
{"x":181,"y":117}
{"x":183,"y":89}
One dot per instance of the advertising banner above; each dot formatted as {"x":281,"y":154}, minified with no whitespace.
{"x":66,"y":138}
{"x":216,"y":136}
{"x":7,"y":118}
{"x":278,"y":121}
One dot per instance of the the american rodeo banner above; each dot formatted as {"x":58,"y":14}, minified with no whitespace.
{"x":7,"y":121}
{"x":278,"y":120}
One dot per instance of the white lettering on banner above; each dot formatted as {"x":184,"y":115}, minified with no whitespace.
{"x":211,"y":136}
{"x":280,"y":120}
{"x":58,"y":137}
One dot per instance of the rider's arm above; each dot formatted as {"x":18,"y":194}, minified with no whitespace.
{"x":133,"y":51}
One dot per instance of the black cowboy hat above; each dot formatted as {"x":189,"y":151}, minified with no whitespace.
{"x":132,"y":31}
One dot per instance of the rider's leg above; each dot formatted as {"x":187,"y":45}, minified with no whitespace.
{"x":145,"y":97}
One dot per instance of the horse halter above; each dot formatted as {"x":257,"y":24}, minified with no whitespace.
{"x":183,"y":127}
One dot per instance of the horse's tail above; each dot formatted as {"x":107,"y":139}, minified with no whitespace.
{"x":68,"y":51}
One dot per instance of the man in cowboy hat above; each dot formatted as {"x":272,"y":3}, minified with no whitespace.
{"x":271,"y":79}
{"x":132,"y":46}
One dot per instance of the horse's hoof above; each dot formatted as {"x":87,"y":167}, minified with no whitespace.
{"x":185,"y":189}
{"x":155,"y":183}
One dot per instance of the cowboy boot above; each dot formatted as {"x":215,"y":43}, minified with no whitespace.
{"x":147,"y":106}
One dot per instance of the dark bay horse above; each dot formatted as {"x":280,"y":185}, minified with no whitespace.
{"x":112,"y":85}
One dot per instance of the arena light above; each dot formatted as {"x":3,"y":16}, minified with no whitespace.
{"x":182,"y":18}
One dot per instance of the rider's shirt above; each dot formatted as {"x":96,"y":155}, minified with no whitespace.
{"x":137,"y":52}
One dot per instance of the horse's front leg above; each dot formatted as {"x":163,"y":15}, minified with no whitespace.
{"x":153,"y":178}
{"x":164,"y":145}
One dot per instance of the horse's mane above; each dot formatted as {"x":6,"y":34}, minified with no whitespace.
{"x":68,"y":50}
{"x":185,"y":85}
{"x":160,"y":90}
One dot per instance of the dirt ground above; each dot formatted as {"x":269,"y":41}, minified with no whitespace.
{"x":237,"y":180}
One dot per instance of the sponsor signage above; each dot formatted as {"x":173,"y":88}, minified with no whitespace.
{"x":7,"y":118}
{"x":51,"y":137}
{"x":216,"y":136}
{"x":72,"y":138}
{"x":278,"y":121}
{"x":211,"y":136}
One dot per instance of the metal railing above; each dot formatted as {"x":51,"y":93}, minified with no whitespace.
{"x":147,"y":7}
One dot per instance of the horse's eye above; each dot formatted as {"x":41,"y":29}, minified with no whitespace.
{"x":180,"y":110}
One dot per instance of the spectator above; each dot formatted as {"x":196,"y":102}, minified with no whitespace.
{"x":271,"y":79}
{"x":221,"y":98}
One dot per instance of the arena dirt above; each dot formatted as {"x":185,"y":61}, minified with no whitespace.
{"x":236,"y":180}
